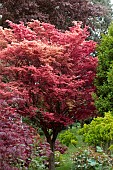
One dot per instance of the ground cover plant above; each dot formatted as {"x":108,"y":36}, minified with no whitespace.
{"x":89,"y":159}
{"x":47,"y":75}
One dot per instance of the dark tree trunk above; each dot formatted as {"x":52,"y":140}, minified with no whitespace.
{"x":51,"y":138}
{"x":52,"y":162}
{"x":52,"y":156}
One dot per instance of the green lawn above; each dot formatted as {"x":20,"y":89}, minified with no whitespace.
{"x":67,"y":162}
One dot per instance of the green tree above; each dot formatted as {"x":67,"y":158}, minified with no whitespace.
{"x":103,"y":96}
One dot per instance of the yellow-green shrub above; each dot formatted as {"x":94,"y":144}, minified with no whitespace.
{"x":67,"y":138}
{"x":99,"y":131}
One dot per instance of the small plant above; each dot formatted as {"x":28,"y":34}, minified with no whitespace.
{"x":67,"y":138}
{"x":88,"y":159}
{"x":58,"y":158}
{"x":41,"y":153}
{"x":74,"y":142}
{"x":37,"y":163}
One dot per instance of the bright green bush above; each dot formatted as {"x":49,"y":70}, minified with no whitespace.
{"x":88,"y":159}
{"x":99,"y":131}
{"x":67,"y":138}
{"x":74,"y":142}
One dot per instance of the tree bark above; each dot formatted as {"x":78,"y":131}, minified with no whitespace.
{"x":51,"y":138}
{"x":52,"y":156}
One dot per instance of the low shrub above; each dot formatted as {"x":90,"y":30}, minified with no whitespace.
{"x":67,"y":138}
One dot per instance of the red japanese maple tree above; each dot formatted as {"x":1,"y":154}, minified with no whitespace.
{"x":48,"y":74}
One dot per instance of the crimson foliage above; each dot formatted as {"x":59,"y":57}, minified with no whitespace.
{"x":48,"y":75}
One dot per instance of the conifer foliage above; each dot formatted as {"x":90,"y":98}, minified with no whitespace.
{"x":104,"y":77}
{"x":47,"y":75}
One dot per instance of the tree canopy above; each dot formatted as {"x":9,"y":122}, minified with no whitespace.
{"x":47,"y":75}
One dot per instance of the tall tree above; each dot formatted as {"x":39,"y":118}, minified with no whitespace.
{"x":59,"y":13}
{"x":49,"y":75}
{"x":103,"y":96}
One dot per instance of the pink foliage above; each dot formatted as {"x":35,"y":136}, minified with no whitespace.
{"x":52,"y":71}
{"x":47,"y":75}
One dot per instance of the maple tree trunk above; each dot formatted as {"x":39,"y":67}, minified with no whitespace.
{"x":52,"y":156}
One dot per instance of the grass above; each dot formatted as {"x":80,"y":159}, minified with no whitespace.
{"x":68,"y":164}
